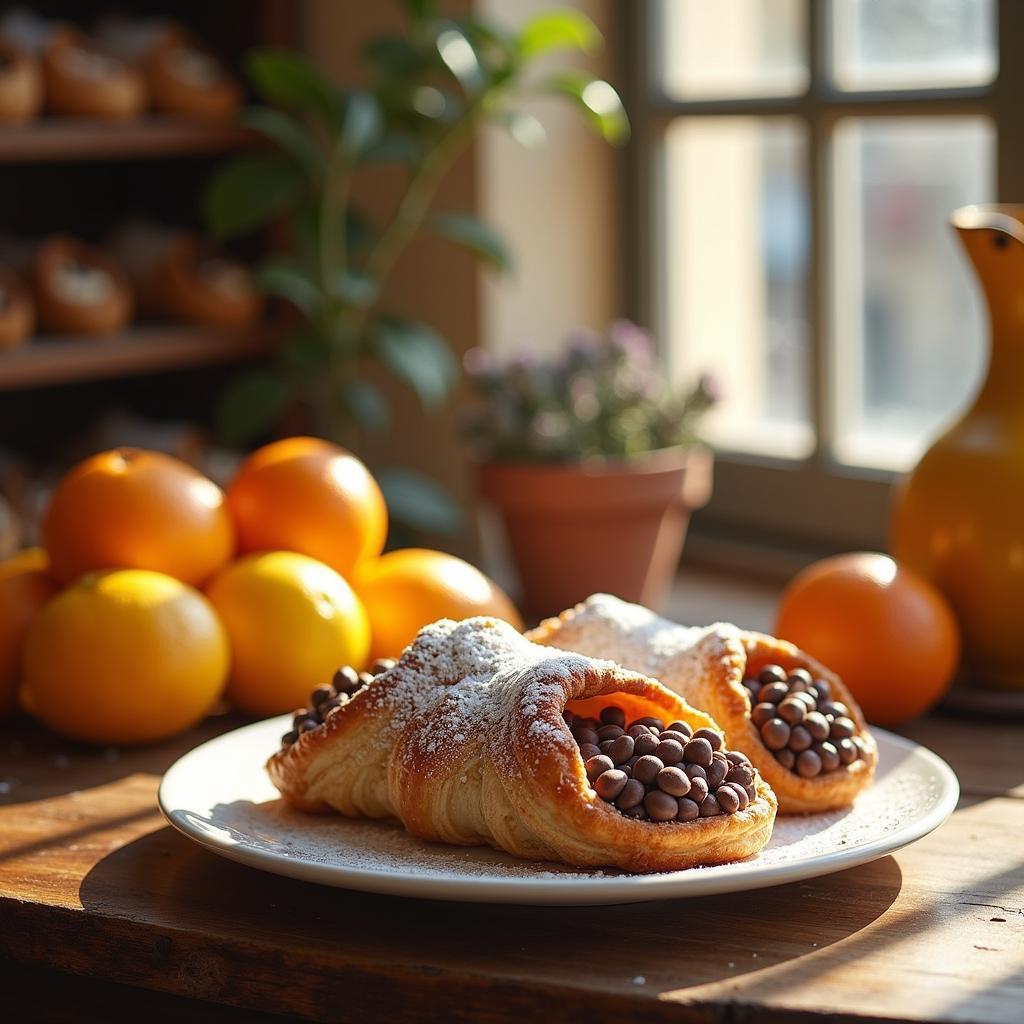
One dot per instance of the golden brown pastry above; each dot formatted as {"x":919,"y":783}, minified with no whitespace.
{"x":17,"y":311}
{"x":187,"y":80}
{"x":21,"y":84}
{"x":84,"y":80}
{"x":814,"y":750}
{"x":467,"y":740}
{"x":79,"y":289}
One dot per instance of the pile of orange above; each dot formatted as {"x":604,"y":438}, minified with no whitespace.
{"x":156,"y":594}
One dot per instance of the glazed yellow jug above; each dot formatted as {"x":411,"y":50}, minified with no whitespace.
{"x":958,"y":519}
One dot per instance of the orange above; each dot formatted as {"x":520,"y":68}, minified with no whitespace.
{"x":135,"y":509}
{"x":405,"y":590}
{"x":293,"y":621}
{"x":128,"y":656}
{"x":25,"y":585}
{"x":888,"y":633}
{"x":310,"y":496}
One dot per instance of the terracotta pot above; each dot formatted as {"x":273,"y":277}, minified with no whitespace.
{"x":598,"y":525}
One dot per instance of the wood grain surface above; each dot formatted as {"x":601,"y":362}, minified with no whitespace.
{"x":98,"y":893}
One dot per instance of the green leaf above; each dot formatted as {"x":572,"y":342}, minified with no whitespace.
{"x":366,"y":403}
{"x":290,"y":281}
{"x":460,"y":58}
{"x":248,"y":191}
{"x":288,"y":79}
{"x":475,"y":235}
{"x":418,"y":355}
{"x":354,"y":288}
{"x":252,"y":403}
{"x":305,"y":355}
{"x":416,"y":501}
{"x":290,"y":136}
{"x":392,"y":55}
{"x":559,"y":30}
{"x":599,"y":101}
{"x":420,"y":9}
{"x":400,"y":149}
{"x":361,"y":124}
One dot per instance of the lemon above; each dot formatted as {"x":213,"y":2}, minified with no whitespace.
{"x":292,"y":622}
{"x":127,"y":656}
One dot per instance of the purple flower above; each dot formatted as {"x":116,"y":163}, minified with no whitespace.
{"x":633,"y":341}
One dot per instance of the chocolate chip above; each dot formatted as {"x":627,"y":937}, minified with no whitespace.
{"x":289,"y":738}
{"x":714,"y":738}
{"x":792,"y":711}
{"x":647,"y":767}
{"x":817,"y":725}
{"x":842,"y":729}
{"x":365,"y":678}
{"x":682,"y":727}
{"x":785,"y":757}
{"x":660,"y":805}
{"x":673,"y":781}
{"x":632,"y":795}
{"x":762,"y":713}
{"x":610,"y":732}
{"x":736,"y":757}
{"x":699,"y":751}
{"x":320,"y":695}
{"x":671,"y":734}
{"x":695,"y":771}
{"x":839,"y":709}
{"x":568,"y":717}
{"x":709,"y":806}
{"x":689,"y":810}
{"x":346,"y":680}
{"x":799,"y":675}
{"x":598,"y":765}
{"x":847,"y":751}
{"x":608,"y":785}
{"x":799,"y":738}
{"x":741,"y":773}
{"x":773,"y":693}
{"x":829,"y":756}
{"x":621,"y":749}
{"x":717,"y":771}
{"x":654,"y":724}
{"x":822,"y":689}
{"x":589,"y":750}
{"x":584,"y":735}
{"x":333,"y":704}
{"x":382,"y":665}
{"x":727,"y":799}
{"x":669,"y":751}
{"x":636,"y":731}
{"x":741,"y":794}
{"x":771,"y":674}
{"x":645,"y":743}
{"x":638,"y":813}
{"x":698,"y":789}
{"x":808,"y":764}
{"x":613,"y":715}
{"x":807,"y":699}
{"x":309,"y":723}
{"x":775,"y":734}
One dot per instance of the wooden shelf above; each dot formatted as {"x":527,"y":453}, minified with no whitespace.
{"x":49,"y":361}
{"x":61,"y":140}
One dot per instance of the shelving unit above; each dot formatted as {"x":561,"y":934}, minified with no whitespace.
{"x":52,"y":361}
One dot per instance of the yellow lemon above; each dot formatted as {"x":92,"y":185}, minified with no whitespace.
{"x":128,"y":656}
{"x":292,"y":622}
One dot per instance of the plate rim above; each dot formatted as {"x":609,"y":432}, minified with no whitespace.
{"x":561,"y":889}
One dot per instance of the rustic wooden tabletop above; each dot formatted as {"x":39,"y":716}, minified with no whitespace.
{"x":107,"y":914}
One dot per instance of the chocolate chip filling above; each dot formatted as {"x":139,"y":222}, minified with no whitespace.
{"x":325,"y":700}
{"x":656,"y":772}
{"x":808,"y":732}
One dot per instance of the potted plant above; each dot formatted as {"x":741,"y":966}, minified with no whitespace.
{"x":430,"y":87}
{"x":593,"y":461}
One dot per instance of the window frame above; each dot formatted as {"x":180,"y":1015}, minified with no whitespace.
{"x":816,"y":503}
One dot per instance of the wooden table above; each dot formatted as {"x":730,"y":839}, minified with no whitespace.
{"x":107,"y":914}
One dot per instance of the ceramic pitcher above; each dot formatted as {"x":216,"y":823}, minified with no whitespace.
{"x":959,"y":517}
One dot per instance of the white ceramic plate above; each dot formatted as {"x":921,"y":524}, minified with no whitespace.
{"x":220,"y":796}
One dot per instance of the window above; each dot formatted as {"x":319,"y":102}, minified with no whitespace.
{"x":798,"y":160}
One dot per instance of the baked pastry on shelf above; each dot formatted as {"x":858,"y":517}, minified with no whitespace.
{"x":793,"y":718}
{"x":79,"y":289}
{"x":17,"y":310}
{"x":477,"y":736}
{"x":21,"y":83}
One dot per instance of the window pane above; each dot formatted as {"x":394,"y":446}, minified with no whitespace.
{"x":718,"y":48}
{"x":913,"y":44}
{"x":909,"y":326}
{"x":736,"y":236}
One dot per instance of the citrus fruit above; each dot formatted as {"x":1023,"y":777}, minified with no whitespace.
{"x":293,"y":621}
{"x":135,"y":509}
{"x":25,"y":585}
{"x":888,"y":633}
{"x":127,"y":656}
{"x":405,"y":590}
{"x":307,"y":495}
